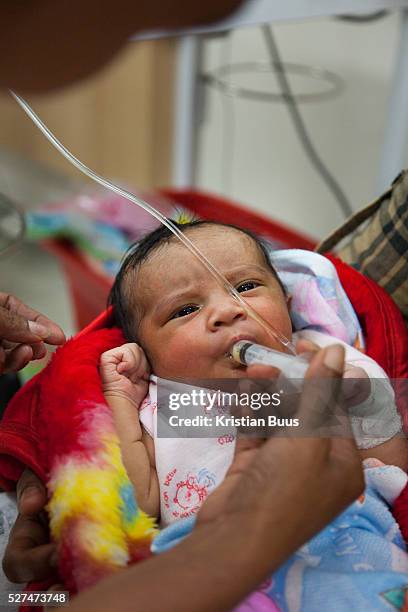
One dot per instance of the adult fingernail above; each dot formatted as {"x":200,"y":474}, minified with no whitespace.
{"x":334,"y":358}
{"x":29,"y":492}
{"x":38,"y":329}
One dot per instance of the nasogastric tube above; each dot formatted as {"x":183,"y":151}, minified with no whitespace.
{"x":285,"y":342}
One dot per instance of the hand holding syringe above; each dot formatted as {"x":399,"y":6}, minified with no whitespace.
{"x":358,"y":389}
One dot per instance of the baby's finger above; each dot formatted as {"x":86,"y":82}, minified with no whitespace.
{"x":129,"y":362}
{"x":141,"y":367}
{"x":123,"y":367}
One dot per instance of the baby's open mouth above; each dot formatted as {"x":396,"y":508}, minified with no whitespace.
{"x":229,"y":353}
{"x":233,"y":363}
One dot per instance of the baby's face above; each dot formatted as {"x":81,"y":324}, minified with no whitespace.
{"x":189,"y":322}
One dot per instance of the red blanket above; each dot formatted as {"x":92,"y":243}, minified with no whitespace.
{"x":43,"y":421}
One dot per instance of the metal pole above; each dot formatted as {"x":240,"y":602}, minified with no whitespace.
{"x":394,"y":151}
{"x":187,"y":111}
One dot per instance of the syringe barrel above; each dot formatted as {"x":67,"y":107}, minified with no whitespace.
{"x":249,"y":353}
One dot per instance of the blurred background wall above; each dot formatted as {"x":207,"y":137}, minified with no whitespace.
{"x":269,"y":169}
{"x":120,"y":122}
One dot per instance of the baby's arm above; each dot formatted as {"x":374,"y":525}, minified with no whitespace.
{"x":125,"y":379}
{"x":395,"y":450}
{"x":392,"y":452}
{"x":358,"y":366}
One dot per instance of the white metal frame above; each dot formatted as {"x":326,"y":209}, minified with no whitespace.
{"x":256,"y":12}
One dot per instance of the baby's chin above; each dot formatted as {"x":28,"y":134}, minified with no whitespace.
{"x":229,"y":370}
{"x":239,"y":372}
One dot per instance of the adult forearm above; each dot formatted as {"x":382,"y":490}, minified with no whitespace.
{"x":47,"y":44}
{"x":182,"y":13}
{"x":213,"y":569}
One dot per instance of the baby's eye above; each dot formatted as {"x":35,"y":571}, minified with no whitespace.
{"x":183,"y":312}
{"x":247,"y":286}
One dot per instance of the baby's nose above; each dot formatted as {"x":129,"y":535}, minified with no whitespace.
{"x":226,"y":312}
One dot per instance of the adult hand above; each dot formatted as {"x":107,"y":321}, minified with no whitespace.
{"x":29,"y":554}
{"x":292,"y":486}
{"x":23,"y":334}
{"x":276,"y":495}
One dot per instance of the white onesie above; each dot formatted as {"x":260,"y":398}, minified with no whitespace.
{"x":189,"y":469}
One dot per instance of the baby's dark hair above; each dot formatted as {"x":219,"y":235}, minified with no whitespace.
{"x":140,"y":251}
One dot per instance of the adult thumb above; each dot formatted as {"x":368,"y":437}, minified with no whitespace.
{"x":16,"y":328}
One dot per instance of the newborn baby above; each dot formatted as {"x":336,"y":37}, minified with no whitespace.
{"x":183,"y":324}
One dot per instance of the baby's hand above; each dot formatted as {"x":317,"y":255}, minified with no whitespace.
{"x":125,"y":373}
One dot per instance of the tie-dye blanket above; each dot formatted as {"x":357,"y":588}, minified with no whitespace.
{"x":319,"y":301}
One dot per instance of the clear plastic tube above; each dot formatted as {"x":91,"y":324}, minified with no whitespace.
{"x":155,"y":213}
